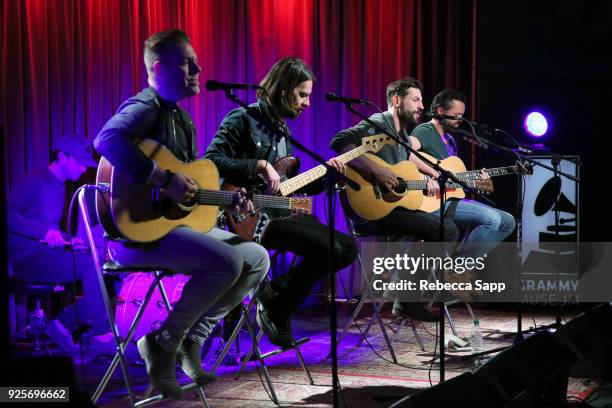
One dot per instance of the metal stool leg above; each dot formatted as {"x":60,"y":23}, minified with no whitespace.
{"x":233,"y":337}
{"x":416,"y":335}
{"x":376,"y":316}
{"x":120,"y":354}
{"x":121,"y":346}
{"x":255,"y":349}
{"x":304,"y":366}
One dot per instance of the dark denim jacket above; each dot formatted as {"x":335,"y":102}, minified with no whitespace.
{"x":241,"y":140}
{"x":145,"y":115}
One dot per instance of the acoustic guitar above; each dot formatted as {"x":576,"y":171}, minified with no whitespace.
{"x":142,"y":213}
{"x":245,"y":224}
{"x":456,"y":166}
{"x":372,"y":202}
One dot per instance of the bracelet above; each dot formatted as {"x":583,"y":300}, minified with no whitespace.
{"x":167,"y":180}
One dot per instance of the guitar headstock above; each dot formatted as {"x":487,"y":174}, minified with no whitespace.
{"x":301,"y":205}
{"x":375,"y":143}
{"x":523,"y":168}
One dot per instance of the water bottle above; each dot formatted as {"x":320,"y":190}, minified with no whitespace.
{"x":476,"y":342}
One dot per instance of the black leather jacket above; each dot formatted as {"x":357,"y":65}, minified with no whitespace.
{"x":241,"y":140}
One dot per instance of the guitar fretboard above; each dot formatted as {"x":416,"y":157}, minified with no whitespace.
{"x":497,"y":171}
{"x":405,"y":185}
{"x":297,"y":182}
{"x":226,"y":198}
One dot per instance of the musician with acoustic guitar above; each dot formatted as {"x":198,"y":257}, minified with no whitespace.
{"x":399,"y":214}
{"x":245,"y":151}
{"x":223,"y":267}
{"x":487,"y":225}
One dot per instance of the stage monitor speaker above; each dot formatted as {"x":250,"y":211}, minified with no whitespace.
{"x":587,"y":342}
{"x":460,"y":391}
{"x":531,"y":373}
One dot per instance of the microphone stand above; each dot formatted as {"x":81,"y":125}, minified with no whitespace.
{"x":518,"y":152}
{"x":332,"y":177}
{"x":443,"y":177}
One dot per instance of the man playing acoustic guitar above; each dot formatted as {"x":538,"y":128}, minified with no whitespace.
{"x":223,"y":267}
{"x":404,"y":112}
{"x":488,"y":226}
{"x":245,"y":150}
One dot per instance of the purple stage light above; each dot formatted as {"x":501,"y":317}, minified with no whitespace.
{"x":536,"y":124}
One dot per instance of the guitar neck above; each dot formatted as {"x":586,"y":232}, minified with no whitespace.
{"x":214,"y":197}
{"x":493,"y":172}
{"x":226,"y":198}
{"x":297,"y":182}
{"x":266,"y":201}
{"x":422,"y":184}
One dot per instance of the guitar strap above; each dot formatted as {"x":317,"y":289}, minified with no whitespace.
{"x":262,"y":222}
{"x":451,"y":209}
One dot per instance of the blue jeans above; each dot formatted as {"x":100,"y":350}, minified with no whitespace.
{"x":223,"y":267}
{"x":488,"y":226}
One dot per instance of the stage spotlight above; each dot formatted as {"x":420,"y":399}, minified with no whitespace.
{"x":536,"y":124}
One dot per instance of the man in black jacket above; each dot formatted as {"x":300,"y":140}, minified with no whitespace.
{"x":223,"y":267}
{"x":244,"y":149}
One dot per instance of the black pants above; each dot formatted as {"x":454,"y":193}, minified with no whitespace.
{"x":417,"y":224}
{"x":307,"y":237}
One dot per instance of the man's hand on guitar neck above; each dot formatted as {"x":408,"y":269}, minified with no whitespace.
{"x":241,"y":203}
{"x":178,"y":186}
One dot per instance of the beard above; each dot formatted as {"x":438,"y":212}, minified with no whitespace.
{"x":407,"y":117}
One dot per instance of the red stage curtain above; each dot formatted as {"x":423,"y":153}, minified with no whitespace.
{"x":68,"y":64}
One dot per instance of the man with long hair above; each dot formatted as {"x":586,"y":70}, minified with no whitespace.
{"x":245,"y":149}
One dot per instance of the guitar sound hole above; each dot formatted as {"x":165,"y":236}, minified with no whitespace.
{"x":172,"y":211}
{"x":399,"y":189}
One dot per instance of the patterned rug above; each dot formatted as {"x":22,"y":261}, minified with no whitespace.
{"x":367,"y":374}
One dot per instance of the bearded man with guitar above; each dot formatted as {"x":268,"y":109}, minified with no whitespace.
{"x":245,"y":151}
{"x":223,"y":267}
{"x":404,"y":112}
{"x":487,"y":225}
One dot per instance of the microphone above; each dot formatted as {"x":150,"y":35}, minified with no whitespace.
{"x":428,"y":115}
{"x":212,"y":85}
{"x":332,"y":97}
